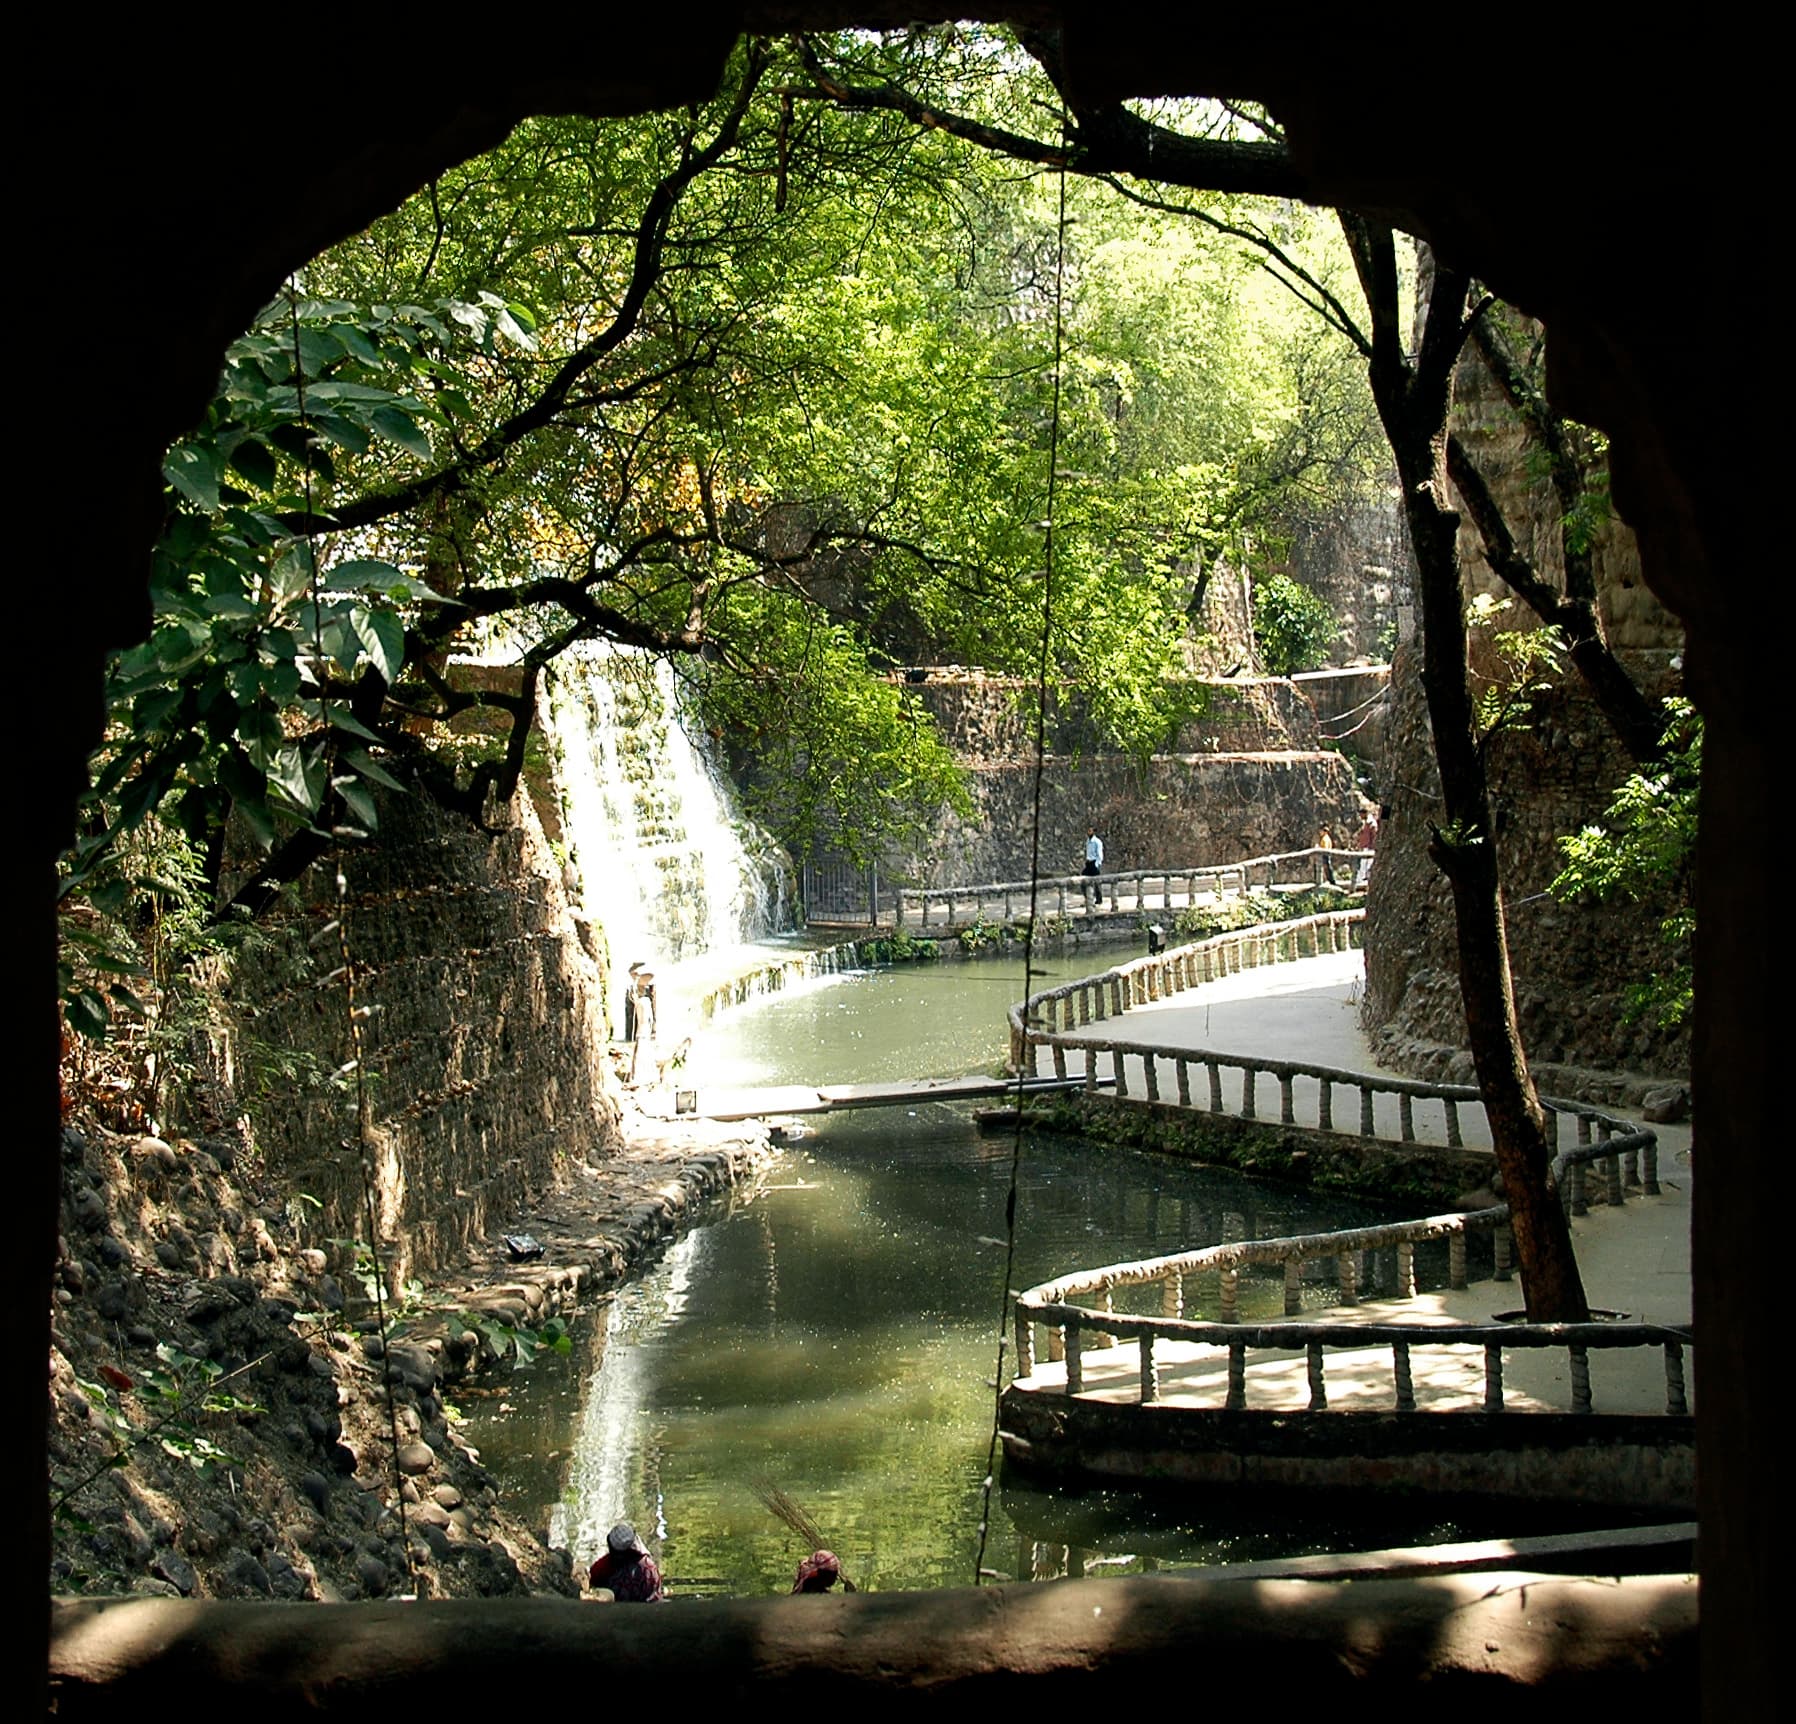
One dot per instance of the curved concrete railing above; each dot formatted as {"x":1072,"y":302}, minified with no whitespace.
{"x":1045,"y":1022}
{"x":1041,"y":1020}
{"x":1173,"y":888}
{"x":1051,"y":1304}
{"x":1621,"y":1156}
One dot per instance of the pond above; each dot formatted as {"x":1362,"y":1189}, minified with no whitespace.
{"x":834,"y":1333}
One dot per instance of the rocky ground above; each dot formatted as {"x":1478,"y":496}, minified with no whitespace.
{"x":225,"y":1419}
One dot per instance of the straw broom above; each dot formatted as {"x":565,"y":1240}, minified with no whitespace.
{"x":783,"y":1508}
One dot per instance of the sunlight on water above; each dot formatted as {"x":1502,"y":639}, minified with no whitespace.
{"x":835,"y":1332}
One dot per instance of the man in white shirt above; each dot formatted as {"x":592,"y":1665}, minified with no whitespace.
{"x":1094,"y":864}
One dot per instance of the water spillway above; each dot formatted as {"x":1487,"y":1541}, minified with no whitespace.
{"x":657,"y":855}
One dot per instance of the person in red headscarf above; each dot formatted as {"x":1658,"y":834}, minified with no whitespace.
{"x":818,"y":1572}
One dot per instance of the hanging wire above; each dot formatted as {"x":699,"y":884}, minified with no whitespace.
{"x":980,"y":1573}
{"x":364,"y":1125}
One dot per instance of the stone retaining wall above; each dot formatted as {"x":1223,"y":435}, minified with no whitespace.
{"x":1339,"y":1161}
{"x":1574,"y":963}
{"x":1191,"y":810}
{"x":1627,"y":1461}
{"x":484,"y":1053}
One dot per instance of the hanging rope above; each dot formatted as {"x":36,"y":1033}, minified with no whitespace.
{"x":345,"y":971}
{"x":980,"y":1572}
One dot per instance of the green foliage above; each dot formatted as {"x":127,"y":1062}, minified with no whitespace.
{"x":1527,"y":663}
{"x":899,"y":948}
{"x":1646,"y":848}
{"x":1249,"y":910}
{"x":138,"y":953}
{"x":257,"y":624}
{"x":770,"y":392}
{"x":829,"y":752}
{"x":1292,"y":627}
{"x":519,"y":1342}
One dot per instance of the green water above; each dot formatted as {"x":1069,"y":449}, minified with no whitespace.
{"x":835,"y":1332}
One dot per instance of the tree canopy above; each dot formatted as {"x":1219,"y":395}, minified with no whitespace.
{"x":766,"y":387}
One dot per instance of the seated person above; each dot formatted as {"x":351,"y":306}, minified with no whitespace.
{"x":627,"y":1569}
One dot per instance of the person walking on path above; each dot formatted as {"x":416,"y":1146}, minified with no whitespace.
{"x":641,"y":1019}
{"x":1094,"y":866}
{"x":1365,"y":839}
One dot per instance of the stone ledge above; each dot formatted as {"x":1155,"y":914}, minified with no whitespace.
{"x":1480,"y":1643}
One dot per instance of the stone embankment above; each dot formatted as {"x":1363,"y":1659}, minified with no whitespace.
{"x":225,"y":1418}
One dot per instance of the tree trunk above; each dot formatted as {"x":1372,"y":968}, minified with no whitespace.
{"x":1413,"y":401}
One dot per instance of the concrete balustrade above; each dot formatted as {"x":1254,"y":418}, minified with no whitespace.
{"x":1628,"y":1154}
{"x":1164,"y":889}
{"x":1346,"y":1248}
{"x":1315,"y":1340}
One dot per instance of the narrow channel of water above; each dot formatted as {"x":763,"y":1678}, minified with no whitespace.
{"x":834,"y":1332}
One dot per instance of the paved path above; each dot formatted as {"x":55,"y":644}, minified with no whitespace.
{"x":1635,"y":1259}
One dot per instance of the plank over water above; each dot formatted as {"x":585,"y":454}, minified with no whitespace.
{"x":755,"y":1103}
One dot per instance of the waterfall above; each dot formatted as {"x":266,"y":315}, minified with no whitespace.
{"x":657,"y":855}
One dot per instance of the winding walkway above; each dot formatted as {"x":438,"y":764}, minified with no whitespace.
{"x":1635,"y":1257}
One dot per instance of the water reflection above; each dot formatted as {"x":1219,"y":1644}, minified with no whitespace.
{"x":835,"y":1333}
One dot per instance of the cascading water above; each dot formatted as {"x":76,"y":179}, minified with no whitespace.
{"x":658,"y":856}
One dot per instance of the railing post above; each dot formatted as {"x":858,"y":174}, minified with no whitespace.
{"x":1215,"y":1086}
{"x":1237,"y":1395}
{"x":1229,"y":1288}
{"x":1676,"y":1401}
{"x":1105,"y":1338}
{"x":1287,"y":1114}
{"x":1493,"y":1379}
{"x":1406,"y":1117}
{"x":1503,"y":1245}
{"x":1059,"y":1060}
{"x":1075,"y":1358}
{"x":1406,"y":1269}
{"x":1248,"y":1074}
{"x":1325,"y":1106}
{"x":1405,"y":1383}
{"x":1318,"y":1383}
{"x":1580,"y":1203}
{"x":1119,"y":1066}
{"x":1025,"y":1343}
{"x":1060,"y":901}
{"x":1172,"y":1294}
{"x":1454,"y":1141}
{"x":1091,"y":1067}
{"x":1150,"y":1378}
{"x":1456,"y":1261}
{"x":1183,"y":1069}
{"x":1347,"y":1277}
{"x":1366,"y":1126}
{"x":1151,"y":1071}
{"x":1580,"y":1378}
{"x":1056,"y":1343}
{"x":1649,"y":1166}
{"x":1293,"y":1286}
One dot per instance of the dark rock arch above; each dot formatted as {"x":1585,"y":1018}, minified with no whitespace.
{"x":174,"y":188}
